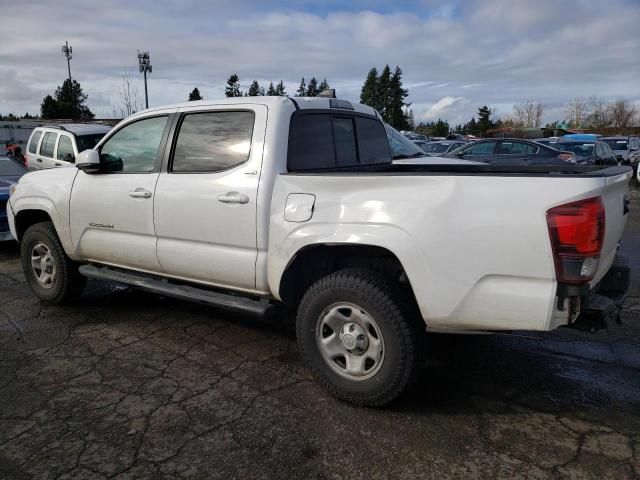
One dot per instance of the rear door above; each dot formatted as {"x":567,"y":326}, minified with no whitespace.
{"x":32,"y":149}
{"x":206,"y":197}
{"x":45,"y":157}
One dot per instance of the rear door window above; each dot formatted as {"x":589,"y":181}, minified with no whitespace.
{"x":48,"y":144}
{"x":213,"y":141}
{"x":33,"y":144}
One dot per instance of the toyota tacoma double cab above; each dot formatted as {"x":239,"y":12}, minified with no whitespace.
{"x":257,"y":202}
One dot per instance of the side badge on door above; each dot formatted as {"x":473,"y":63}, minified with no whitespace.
{"x":299,"y":207}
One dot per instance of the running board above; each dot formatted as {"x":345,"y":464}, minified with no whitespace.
{"x":183,"y":292}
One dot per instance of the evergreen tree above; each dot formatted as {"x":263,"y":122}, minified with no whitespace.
{"x":233,"y":86}
{"x":411,"y":120}
{"x":302,"y":89}
{"x":396,"y":99}
{"x":484,"y":119}
{"x":280,"y":91}
{"x":68,"y":101}
{"x":48,"y":108}
{"x":254,"y":89}
{"x":324,"y":85}
{"x":195,"y":95}
{"x":384,"y":96}
{"x":262,"y":92}
{"x":369,"y":92}
{"x":271,"y":91}
{"x":441,"y":128}
{"x":312,"y":88}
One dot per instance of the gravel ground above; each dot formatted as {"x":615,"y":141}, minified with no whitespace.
{"x":129,"y":385}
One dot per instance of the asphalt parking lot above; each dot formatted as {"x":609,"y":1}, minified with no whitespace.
{"x":129,"y":385}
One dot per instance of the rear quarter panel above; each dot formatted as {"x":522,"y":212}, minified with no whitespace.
{"x":475,"y":248}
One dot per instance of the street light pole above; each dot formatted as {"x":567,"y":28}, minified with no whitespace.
{"x":144,"y":64}
{"x":67,"y":50}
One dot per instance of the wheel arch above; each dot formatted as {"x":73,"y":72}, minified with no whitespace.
{"x":314,"y":261}
{"x":28,"y":217}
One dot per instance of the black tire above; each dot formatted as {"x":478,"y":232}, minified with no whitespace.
{"x":403,"y":335}
{"x":68,"y":283}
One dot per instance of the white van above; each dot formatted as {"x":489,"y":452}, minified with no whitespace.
{"x":59,"y":145}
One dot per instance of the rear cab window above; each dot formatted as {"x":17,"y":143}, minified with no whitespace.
{"x":319,"y":141}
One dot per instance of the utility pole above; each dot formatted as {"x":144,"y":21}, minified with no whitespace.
{"x":67,"y":50}
{"x":144,"y":63}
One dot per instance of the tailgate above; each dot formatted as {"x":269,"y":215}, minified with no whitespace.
{"x":615,"y":198}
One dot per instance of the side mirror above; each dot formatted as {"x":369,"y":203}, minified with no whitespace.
{"x":89,"y":161}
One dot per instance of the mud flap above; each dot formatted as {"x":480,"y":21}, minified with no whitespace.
{"x":602,"y":307}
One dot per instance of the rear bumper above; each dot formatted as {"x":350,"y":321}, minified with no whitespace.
{"x":602,"y":306}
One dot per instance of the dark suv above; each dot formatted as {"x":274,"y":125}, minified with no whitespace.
{"x":627,"y":149}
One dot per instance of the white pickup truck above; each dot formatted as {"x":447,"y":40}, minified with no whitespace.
{"x":253,"y":202}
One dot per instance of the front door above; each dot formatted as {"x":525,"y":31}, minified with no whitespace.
{"x":205,"y":204}
{"x":112,"y":211}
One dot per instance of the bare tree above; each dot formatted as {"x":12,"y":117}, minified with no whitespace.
{"x":623,"y":113}
{"x":528,"y":114}
{"x":599,"y":112}
{"x":128,"y":92}
{"x":577,"y":111}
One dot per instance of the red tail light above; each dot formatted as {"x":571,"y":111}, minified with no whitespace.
{"x":577,"y":233}
{"x":26,"y":161}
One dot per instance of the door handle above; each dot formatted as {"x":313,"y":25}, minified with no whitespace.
{"x":39,"y":160}
{"x":140,"y":193}
{"x":58,"y":164}
{"x":233,"y":197}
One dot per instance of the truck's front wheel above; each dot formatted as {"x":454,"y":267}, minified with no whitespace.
{"x":50,"y":274}
{"x":354,"y":335}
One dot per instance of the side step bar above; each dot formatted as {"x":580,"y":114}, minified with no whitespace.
{"x":184,"y":292}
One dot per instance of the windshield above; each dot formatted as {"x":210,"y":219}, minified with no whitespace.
{"x":87,"y":142}
{"x":436,"y":148}
{"x":401,"y":146}
{"x":10,"y":168}
{"x":584,"y":149}
{"x":616,"y":144}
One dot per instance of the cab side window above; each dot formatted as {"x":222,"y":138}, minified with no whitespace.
{"x":211,"y":142}
{"x":134,"y":148}
{"x":48,"y":144}
{"x":65,"y":149}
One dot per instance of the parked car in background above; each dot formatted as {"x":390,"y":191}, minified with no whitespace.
{"x":548,"y":141}
{"x":415,"y":136}
{"x":627,"y":149}
{"x":513,"y":151}
{"x":401,"y":146}
{"x":421,"y":144}
{"x":588,"y":152}
{"x":441,"y":147}
{"x":10,"y":173}
{"x":58,"y":146}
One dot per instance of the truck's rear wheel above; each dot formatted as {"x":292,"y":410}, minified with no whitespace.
{"x":353,"y":333}
{"x":50,"y":274}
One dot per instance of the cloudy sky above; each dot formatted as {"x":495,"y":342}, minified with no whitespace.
{"x":456,"y":55}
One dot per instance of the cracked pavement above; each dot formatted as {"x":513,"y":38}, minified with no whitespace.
{"x":124,"y":384}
